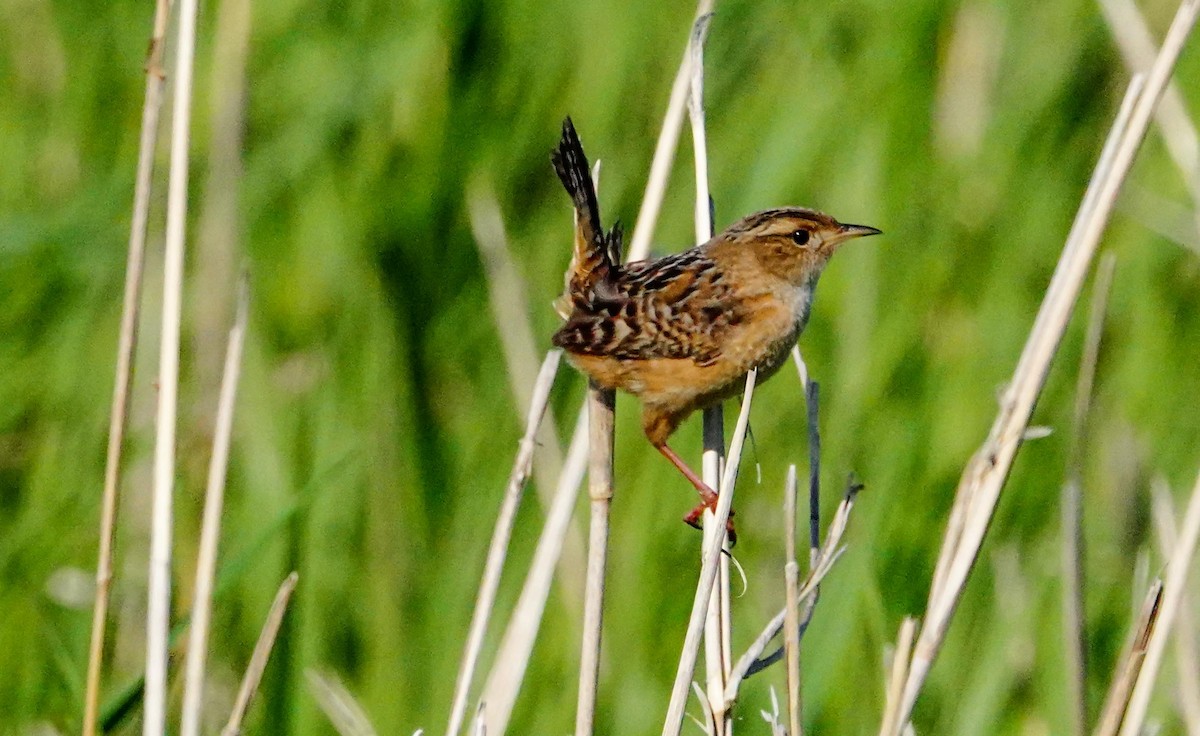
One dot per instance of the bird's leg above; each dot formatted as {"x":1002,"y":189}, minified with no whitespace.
{"x":708,"y":497}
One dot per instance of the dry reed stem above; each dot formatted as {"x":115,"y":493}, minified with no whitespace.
{"x":717,"y":622}
{"x":1187,"y":656}
{"x":126,"y":343}
{"x":1072,"y":509}
{"x":1173,"y":594}
{"x":262,"y":652}
{"x":1126,"y":671}
{"x":210,"y":530}
{"x":501,"y":535}
{"x":708,"y":571}
{"x":791,"y":619}
{"x":965,"y":491}
{"x":158,"y":617}
{"x":601,"y":403}
{"x":339,"y":706}
{"x":752,"y":660}
{"x":1133,"y":38}
{"x":507,"y":292}
{"x":664,"y":151}
{"x":988,"y":469}
{"x":508,"y":670}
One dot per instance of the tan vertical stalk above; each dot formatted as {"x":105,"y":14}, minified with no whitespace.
{"x":155,"y":81}
{"x":601,"y":403}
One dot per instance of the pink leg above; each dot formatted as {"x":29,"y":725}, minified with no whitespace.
{"x":708,"y":497}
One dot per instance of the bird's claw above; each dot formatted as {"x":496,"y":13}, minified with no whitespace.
{"x":693,"y":519}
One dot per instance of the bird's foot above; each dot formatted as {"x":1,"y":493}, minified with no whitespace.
{"x":710,"y":504}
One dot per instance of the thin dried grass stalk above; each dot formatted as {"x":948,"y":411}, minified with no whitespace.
{"x":708,"y":571}
{"x":1187,"y":655}
{"x":899,"y":673}
{"x":258,"y":659}
{"x":1173,"y":593}
{"x":791,"y":619}
{"x":601,"y":403}
{"x":1130,"y":664}
{"x":158,"y":616}
{"x":664,"y":151}
{"x":717,"y":624}
{"x":126,"y":343}
{"x":210,"y":529}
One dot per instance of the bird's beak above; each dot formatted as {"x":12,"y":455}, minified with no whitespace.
{"x":850,"y":232}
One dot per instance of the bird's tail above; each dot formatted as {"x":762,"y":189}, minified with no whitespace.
{"x":596,"y":256}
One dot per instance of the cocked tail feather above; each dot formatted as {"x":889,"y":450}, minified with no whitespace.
{"x":596,"y":256}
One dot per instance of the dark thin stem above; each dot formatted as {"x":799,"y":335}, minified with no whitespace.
{"x":812,"y":399}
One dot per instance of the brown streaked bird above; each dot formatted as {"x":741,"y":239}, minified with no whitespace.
{"x":682,"y":331}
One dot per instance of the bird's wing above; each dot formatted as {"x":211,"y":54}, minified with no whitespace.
{"x":679,"y":306}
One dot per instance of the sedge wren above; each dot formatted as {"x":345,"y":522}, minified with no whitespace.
{"x":681,"y":332}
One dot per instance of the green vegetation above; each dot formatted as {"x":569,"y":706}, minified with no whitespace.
{"x":375,"y":425}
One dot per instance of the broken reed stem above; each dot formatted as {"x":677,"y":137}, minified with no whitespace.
{"x":501,"y":535}
{"x":601,"y":403}
{"x":708,"y":570}
{"x":126,"y":343}
{"x":258,"y":660}
{"x":1072,"y":508}
{"x":791,"y":581}
{"x":1126,"y":671}
{"x":717,"y":625}
{"x":1173,"y":593}
{"x":984,"y":477}
{"x":158,"y":616}
{"x":210,"y":529}
{"x":753,"y":660}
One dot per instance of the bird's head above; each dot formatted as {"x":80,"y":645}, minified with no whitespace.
{"x":793,"y":241}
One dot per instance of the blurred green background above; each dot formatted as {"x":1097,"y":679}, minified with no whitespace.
{"x":333,"y":151}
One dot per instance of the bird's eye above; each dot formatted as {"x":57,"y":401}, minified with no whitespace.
{"x":800,"y":237}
